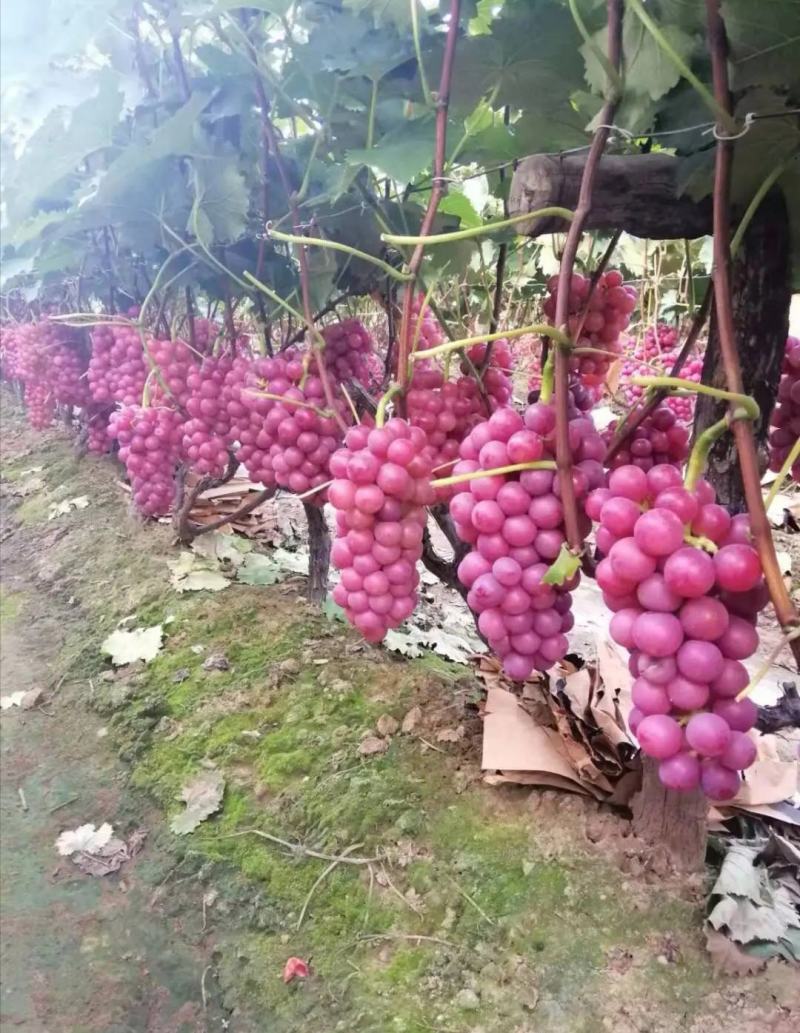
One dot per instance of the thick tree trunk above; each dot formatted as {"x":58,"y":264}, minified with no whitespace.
{"x":761,"y":299}
{"x":319,"y":556}
{"x":674,"y":823}
{"x":637,"y":193}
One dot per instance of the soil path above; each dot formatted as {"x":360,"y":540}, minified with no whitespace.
{"x":79,"y":953}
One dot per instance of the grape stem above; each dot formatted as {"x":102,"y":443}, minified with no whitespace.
{"x":777,"y":484}
{"x":423,"y":79}
{"x":614,"y":12}
{"x":746,"y":408}
{"x":484,"y":230}
{"x":696,"y":466}
{"x":437,"y":190}
{"x":546,"y":390}
{"x":380,"y":413}
{"x":786,"y":640}
{"x":462,"y":478}
{"x":743,"y":434}
{"x":322,"y":413}
{"x":450,"y":346}
{"x":334,"y":245}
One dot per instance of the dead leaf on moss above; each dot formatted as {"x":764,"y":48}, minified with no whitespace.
{"x":387,"y":725}
{"x":411,"y":720}
{"x":372,"y":745}
{"x":202,"y":796}
{"x":126,"y":647}
{"x":450,"y":734}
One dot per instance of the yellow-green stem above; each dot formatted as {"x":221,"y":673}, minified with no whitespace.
{"x":747,"y":407}
{"x":322,"y":413}
{"x":334,"y":245}
{"x":450,"y":346}
{"x":373,"y":103}
{"x":770,"y":660}
{"x":423,"y":79}
{"x":757,"y":198}
{"x":462,"y":478}
{"x":702,"y":446}
{"x":380,"y":412}
{"x":477,"y":231}
{"x":548,"y":379}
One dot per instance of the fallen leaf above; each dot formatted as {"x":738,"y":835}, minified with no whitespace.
{"x":450,"y":734}
{"x":126,"y":647}
{"x":14,"y":699}
{"x":295,"y":968}
{"x":104,"y":860}
{"x":191,"y":573}
{"x":202,"y":796}
{"x":62,"y":508}
{"x":258,"y":569}
{"x":85,"y":838}
{"x":372,"y":745}
{"x":411,"y":720}
{"x":31,"y":698}
{"x":220,"y":547}
{"x":728,"y":958}
{"x":216,"y":662}
{"x":28,"y":486}
{"x":387,"y":725}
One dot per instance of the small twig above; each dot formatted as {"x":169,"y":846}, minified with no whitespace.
{"x":366,"y":937}
{"x":397,"y":892}
{"x":64,"y":803}
{"x":430,"y":745}
{"x":470,"y":900}
{"x":206,"y":970}
{"x":299,"y":848}
{"x":321,"y":878}
{"x":22,"y":801}
{"x":371,"y":871}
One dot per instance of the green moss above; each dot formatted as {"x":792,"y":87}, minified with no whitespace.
{"x":10,"y":604}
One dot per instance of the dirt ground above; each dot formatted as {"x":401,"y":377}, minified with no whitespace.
{"x":467,"y":910}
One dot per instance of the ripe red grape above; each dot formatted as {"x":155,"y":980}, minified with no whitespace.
{"x":785,"y":420}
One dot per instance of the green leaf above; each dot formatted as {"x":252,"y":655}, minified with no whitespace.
{"x":387,"y":12}
{"x":174,"y":138}
{"x":764,"y":40}
{"x":59,"y":146}
{"x":648,"y":70}
{"x":126,"y":647}
{"x":458,"y":204}
{"x":563,"y":567}
{"x":258,"y":569}
{"x":222,"y":201}
{"x":402,"y":155}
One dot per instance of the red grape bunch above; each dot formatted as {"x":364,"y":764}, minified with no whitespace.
{"x":207,"y":430}
{"x":785,"y":421}
{"x":349,"y":353}
{"x":381,"y":488}
{"x":687,"y":615}
{"x":117,"y":366}
{"x":658,"y":439}
{"x":425,"y":327}
{"x":47,"y":360}
{"x":98,"y":432}
{"x":654,"y":356}
{"x":176,"y":362}
{"x":515,"y":523}
{"x":290,"y":437}
{"x":497,"y":375}
{"x":149,"y":440}
{"x":609,"y":312}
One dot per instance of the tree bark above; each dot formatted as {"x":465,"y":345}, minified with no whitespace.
{"x":761,"y":298}
{"x":637,"y":193}
{"x":669,"y":821}
{"x":319,"y":556}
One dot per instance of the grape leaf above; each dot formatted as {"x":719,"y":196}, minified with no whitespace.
{"x":202,"y":796}
{"x":458,"y":204}
{"x":563,"y":567}
{"x":387,"y":12}
{"x":126,"y":647}
{"x":764,"y":40}
{"x":402,"y":154}
{"x":222,"y":201}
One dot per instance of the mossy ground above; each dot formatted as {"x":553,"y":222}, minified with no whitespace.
{"x":480,"y":911}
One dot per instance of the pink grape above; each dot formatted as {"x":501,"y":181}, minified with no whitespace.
{"x":740,"y":752}
{"x":708,"y":734}
{"x":659,"y":736}
{"x":719,"y":782}
{"x":741,"y":714}
{"x":680,"y":772}
{"x":658,"y":634}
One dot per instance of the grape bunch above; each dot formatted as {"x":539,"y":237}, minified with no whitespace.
{"x":67,"y":375}
{"x":98,"y":432}
{"x":47,"y":359}
{"x":9,"y":353}
{"x":149,"y":440}
{"x":381,"y":488}
{"x":515,"y":523}
{"x":655,"y":355}
{"x":349,"y":353}
{"x":425,"y":327}
{"x":497,"y":375}
{"x":176,"y":362}
{"x":117,"y":366}
{"x":658,"y":439}
{"x":290,"y":436}
{"x":207,"y":431}
{"x":596,"y":321}
{"x":686,"y":612}
{"x":785,"y":421}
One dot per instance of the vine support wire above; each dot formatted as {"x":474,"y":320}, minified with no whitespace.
{"x":742,"y":430}
{"x":561,"y":364}
{"x":437,"y":191}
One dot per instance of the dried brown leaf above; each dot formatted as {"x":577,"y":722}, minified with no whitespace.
{"x":387,"y":725}
{"x":373,"y":745}
{"x":412,"y":719}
